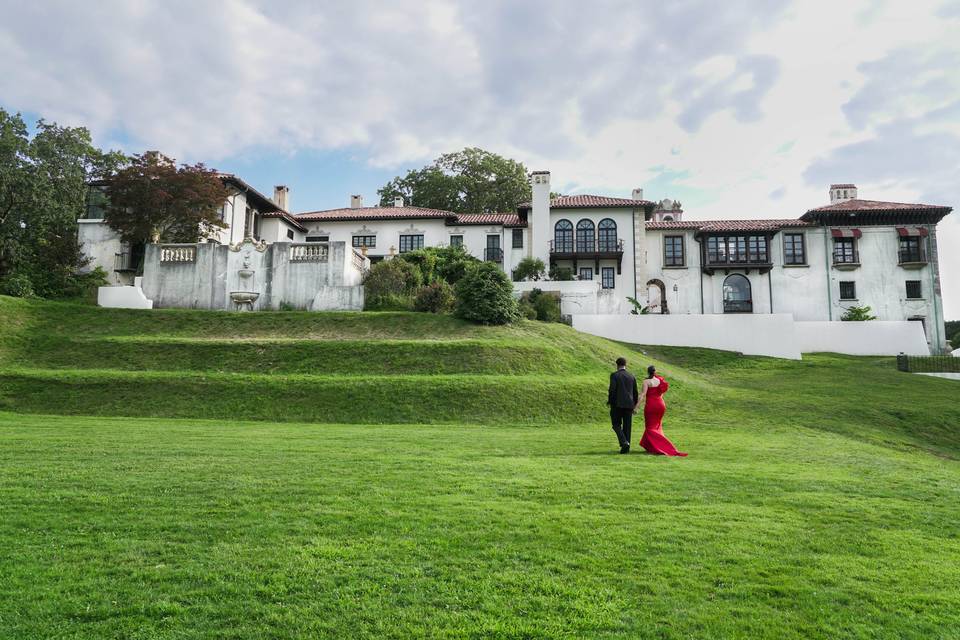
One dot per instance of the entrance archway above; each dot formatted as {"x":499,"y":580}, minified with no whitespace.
{"x":657,"y":296}
{"x":737,"y":294}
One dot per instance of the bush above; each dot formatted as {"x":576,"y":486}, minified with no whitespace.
{"x":18,"y":286}
{"x":529,"y":269}
{"x":561,"y":273}
{"x":858,"y":314}
{"x":390,"y":285}
{"x":440,"y":263}
{"x":545,"y":305}
{"x":526,"y":310}
{"x":436,"y":297}
{"x":485,"y":295}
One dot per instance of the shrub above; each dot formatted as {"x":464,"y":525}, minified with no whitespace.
{"x":858,"y":314}
{"x":440,"y":263}
{"x":390,"y":285}
{"x":529,"y":269}
{"x":485,"y":295}
{"x":561,"y":273}
{"x":18,"y":286}
{"x":545,"y":305}
{"x":436,"y":297}
{"x":526,"y":310}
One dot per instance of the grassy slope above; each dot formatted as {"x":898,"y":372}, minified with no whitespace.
{"x":820,"y":498}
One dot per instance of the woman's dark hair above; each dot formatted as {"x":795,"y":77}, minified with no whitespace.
{"x":651,"y":370}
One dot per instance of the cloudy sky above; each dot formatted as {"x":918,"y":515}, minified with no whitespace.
{"x":739,"y":109}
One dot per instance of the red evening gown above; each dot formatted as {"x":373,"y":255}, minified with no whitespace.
{"x":653,"y":439}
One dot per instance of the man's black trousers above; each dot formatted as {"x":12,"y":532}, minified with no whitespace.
{"x":622,"y":420}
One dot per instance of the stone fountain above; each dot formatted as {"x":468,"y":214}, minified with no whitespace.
{"x":246,"y":293}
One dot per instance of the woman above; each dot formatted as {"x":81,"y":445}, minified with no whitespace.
{"x":651,"y":394}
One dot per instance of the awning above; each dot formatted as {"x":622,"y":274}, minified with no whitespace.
{"x":845,"y":233}
{"x":904,"y":232}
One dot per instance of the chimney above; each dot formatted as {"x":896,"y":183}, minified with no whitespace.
{"x":842,"y":192}
{"x":637,"y":194}
{"x":356,"y":202}
{"x":539,"y":217}
{"x":281,"y":196}
{"x":398,"y":201}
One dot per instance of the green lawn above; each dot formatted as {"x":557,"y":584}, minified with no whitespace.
{"x":176,"y":495}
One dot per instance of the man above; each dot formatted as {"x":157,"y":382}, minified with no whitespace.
{"x":623,"y":398}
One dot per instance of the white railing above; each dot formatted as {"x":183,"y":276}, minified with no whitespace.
{"x":359,"y":260}
{"x":178,"y":253}
{"x":310,"y":252}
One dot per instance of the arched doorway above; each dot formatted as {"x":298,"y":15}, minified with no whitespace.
{"x":657,"y":297}
{"x":737,"y":294}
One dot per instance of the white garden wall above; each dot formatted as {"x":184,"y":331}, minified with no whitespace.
{"x":874,"y":338}
{"x":776,"y":335}
{"x":764,"y":335}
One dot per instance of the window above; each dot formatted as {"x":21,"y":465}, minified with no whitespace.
{"x":585,"y":237}
{"x":607,"y":235}
{"x":563,"y":236}
{"x":738,"y":250}
{"x":518,"y":238}
{"x":848,"y":290}
{"x":844,"y":251}
{"x":737,"y":294}
{"x":911,"y":250}
{"x":290,"y":235}
{"x":914,"y":290}
{"x":606,"y":277}
{"x":794,"y":251}
{"x":411,"y":242}
{"x":364,"y":241}
{"x":318,"y":238}
{"x":673,"y":251}
{"x":493,"y":253}
{"x":456,"y":241}
{"x":96,"y":204}
{"x":586,"y":273}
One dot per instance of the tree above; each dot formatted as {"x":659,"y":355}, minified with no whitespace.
{"x":154,"y":200}
{"x":391,"y":285}
{"x":529,"y":269}
{"x":43,"y":185}
{"x":468,"y":181}
{"x":485,"y":295}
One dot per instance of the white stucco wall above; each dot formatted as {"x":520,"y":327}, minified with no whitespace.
{"x":765,"y":335}
{"x":875,"y":338}
{"x":576,"y":296}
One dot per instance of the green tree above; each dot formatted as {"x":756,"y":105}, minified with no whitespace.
{"x":858,"y":314}
{"x":468,"y":181}
{"x":485,"y":295}
{"x":43,"y":185}
{"x":154,"y":200}
{"x":529,"y":269}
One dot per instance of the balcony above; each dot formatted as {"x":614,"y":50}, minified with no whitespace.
{"x":576,"y":251}
{"x":911,"y":259}
{"x":493,"y":254}
{"x":846,"y":260}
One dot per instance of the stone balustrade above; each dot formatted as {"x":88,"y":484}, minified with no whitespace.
{"x":310,"y":252}
{"x":178,"y":253}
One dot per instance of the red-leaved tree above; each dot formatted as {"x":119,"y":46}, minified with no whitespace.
{"x":154,"y":200}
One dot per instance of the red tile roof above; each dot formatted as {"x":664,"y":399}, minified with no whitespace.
{"x":589,"y":202}
{"x":727,"y":225}
{"x":374,"y":213}
{"x":506,"y":219}
{"x":875,"y":205}
{"x":843,"y":186}
{"x":267,"y":207}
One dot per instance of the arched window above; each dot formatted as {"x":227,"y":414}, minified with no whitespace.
{"x":586,"y":242}
{"x":563,"y":236}
{"x":737,"y":297}
{"x":668,"y":218}
{"x":607,"y":235}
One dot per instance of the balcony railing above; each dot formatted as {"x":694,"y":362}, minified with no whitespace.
{"x":588,"y":247}
{"x":911,"y":257}
{"x":312,"y":252}
{"x":493,"y":254}
{"x":124,"y":261}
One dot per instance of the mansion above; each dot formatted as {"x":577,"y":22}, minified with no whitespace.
{"x":848,"y":253}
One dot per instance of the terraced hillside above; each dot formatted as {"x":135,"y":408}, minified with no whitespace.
{"x":177,"y":474}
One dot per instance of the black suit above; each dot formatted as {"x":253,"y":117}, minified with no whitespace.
{"x":622,"y":396}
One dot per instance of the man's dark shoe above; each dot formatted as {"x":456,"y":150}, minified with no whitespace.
{"x":625,"y":449}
